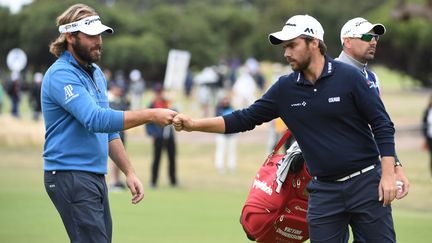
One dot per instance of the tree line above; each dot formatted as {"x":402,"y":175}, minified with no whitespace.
{"x":214,"y":30}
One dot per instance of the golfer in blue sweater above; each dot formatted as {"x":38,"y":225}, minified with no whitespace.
{"x":81,"y":129}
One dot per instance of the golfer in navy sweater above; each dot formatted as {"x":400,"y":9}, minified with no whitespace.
{"x":328,"y":106}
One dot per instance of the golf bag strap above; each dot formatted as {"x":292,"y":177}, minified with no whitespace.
{"x":281,"y":141}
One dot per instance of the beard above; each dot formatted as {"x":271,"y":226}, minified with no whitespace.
{"x":87,"y":54}
{"x":302,"y":61}
{"x":303,"y":64}
{"x":300,"y":65}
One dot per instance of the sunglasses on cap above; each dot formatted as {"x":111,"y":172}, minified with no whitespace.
{"x":368,"y":37}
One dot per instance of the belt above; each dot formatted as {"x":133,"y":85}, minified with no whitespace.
{"x":371,"y":167}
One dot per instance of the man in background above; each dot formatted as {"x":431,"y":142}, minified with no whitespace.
{"x":359,"y":39}
{"x":163,"y":139}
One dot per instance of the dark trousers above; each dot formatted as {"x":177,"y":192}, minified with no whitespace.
{"x":160,"y":144}
{"x":81,"y":198}
{"x":429,"y":144}
{"x":15,"y":106}
{"x":335,"y":205}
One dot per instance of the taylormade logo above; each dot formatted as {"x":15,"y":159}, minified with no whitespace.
{"x":90,"y":21}
{"x":262,"y":185}
{"x":357,"y":24}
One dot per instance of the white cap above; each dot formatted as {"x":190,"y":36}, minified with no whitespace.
{"x":91,"y":26}
{"x":359,"y":26}
{"x":296,"y":26}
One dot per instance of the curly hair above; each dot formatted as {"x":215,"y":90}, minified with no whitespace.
{"x":73,"y":13}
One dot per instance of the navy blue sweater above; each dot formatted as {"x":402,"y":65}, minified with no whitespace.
{"x":330,"y":119}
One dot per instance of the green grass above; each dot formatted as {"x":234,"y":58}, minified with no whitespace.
{"x":206,"y":206}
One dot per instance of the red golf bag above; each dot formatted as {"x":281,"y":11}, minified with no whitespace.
{"x":275,"y":209}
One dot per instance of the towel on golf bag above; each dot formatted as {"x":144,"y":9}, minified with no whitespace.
{"x":275,"y":209}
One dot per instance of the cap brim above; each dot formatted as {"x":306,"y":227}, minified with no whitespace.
{"x":97,"y":29}
{"x":379,"y":29}
{"x":277,"y":38}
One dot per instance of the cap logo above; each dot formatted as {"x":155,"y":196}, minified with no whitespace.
{"x":309,"y":30}
{"x":360,"y":23}
{"x":77,"y":25}
{"x":90,"y":21}
{"x":71,"y":25}
{"x":289,"y":24}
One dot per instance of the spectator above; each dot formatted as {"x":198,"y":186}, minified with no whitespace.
{"x":35,"y":95}
{"x":244,"y":89}
{"x":163,"y":139}
{"x":14,"y":92}
{"x":188,"y":85}
{"x":118,"y":101}
{"x":1,"y":97}
{"x":226,"y":144}
{"x":427,"y":130}
{"x":254,"y":69}
{"x":136,"y":89}
{"x":207,"y":81}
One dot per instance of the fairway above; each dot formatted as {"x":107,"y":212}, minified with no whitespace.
{"x":205,"y":208}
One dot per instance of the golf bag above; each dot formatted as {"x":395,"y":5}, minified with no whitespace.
{"x":275,"y":209}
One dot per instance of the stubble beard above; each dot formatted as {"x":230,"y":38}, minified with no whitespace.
{"x":303,"y":62}
{"x":301,"y":65}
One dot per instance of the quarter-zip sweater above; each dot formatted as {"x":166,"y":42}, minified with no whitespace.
{"x":329,"y":119}
{"x":78,"y":120}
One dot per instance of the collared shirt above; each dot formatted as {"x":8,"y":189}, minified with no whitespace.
{"x":78,"y":120}
{"x":330,"y":119}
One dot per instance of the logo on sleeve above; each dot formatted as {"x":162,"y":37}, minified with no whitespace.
{"x":69,"y":95}
{"x":372,"y":84}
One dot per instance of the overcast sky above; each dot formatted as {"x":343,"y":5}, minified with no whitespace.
{"x":14,"y":5}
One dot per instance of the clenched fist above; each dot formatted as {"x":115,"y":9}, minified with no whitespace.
{"x":163,"y":117}
{"x":182,"y":122}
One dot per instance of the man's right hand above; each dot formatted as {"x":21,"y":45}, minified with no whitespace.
{"x":159,"y":116}
{"x":163,"y":117}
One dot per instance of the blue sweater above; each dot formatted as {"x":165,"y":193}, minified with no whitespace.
{"x":78,"y":120}
{"x":330,"y":119}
